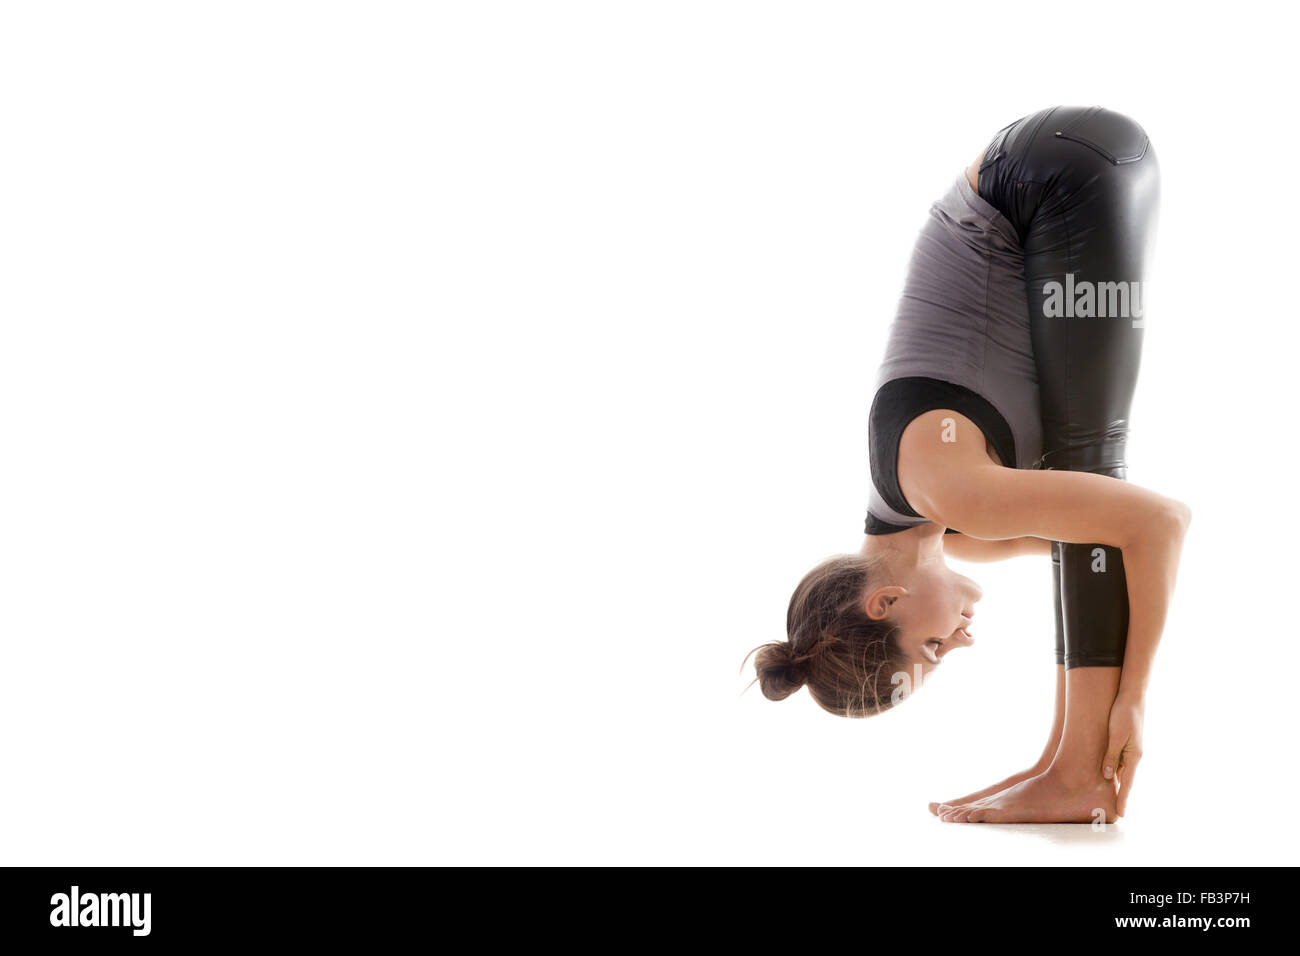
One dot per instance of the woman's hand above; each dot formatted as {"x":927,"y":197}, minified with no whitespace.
{"x":1125,"y":747}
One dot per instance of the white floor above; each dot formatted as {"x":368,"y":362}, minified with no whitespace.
{"x":757,"y":787}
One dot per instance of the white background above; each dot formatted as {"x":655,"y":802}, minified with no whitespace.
{"x":412,"y":414}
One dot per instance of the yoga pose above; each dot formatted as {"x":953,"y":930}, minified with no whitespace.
{"x":999,"y":427}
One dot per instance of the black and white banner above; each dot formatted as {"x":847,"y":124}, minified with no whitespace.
{"x":169,"y":906}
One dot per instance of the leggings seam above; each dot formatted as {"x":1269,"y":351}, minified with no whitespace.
{"x":1069,"y":342}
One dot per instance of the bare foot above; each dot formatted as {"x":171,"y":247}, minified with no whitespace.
{"x":1046,"y":798}
{"x":998,"y":787}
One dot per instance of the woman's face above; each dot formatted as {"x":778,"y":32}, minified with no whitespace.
{"x":933,"y":605}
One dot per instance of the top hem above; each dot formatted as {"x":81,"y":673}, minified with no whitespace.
{"x":986,"y":209}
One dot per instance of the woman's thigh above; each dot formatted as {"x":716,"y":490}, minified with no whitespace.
{"x":1081,"y":187}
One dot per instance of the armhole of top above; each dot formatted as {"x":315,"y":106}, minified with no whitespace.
{"x":899,"y":402}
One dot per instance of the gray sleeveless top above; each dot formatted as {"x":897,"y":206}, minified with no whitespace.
{"x":959,"y":340}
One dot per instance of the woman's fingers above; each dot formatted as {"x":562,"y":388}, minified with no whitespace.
{"x":1111,"y":761}
{"x":1127,"y":771}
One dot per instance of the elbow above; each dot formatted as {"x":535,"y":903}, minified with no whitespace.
{"x":1164,"y":522}
{"x":1173,"y":520}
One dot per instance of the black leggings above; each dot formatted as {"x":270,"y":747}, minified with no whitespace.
{"x":1081,"y":187}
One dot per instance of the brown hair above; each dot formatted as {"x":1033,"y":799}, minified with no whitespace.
{"x":844,"y":657}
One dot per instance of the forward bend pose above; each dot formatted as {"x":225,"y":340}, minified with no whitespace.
{"x":999,"y":427}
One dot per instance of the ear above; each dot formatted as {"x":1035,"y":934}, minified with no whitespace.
{"x":883,"y":598}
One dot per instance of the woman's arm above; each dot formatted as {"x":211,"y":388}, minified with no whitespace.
{"x":1151,"y":567}
{"x":956,"y":484}
{"x":965,"y":548}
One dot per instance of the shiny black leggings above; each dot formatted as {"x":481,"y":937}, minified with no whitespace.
{"x":1081,"y":187}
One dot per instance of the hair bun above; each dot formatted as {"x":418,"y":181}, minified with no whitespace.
{"x":779,"y":674}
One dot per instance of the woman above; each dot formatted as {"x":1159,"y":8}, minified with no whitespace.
{"x":999,"y":427}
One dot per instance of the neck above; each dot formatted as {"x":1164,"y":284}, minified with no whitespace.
{"x":911,"y":547}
